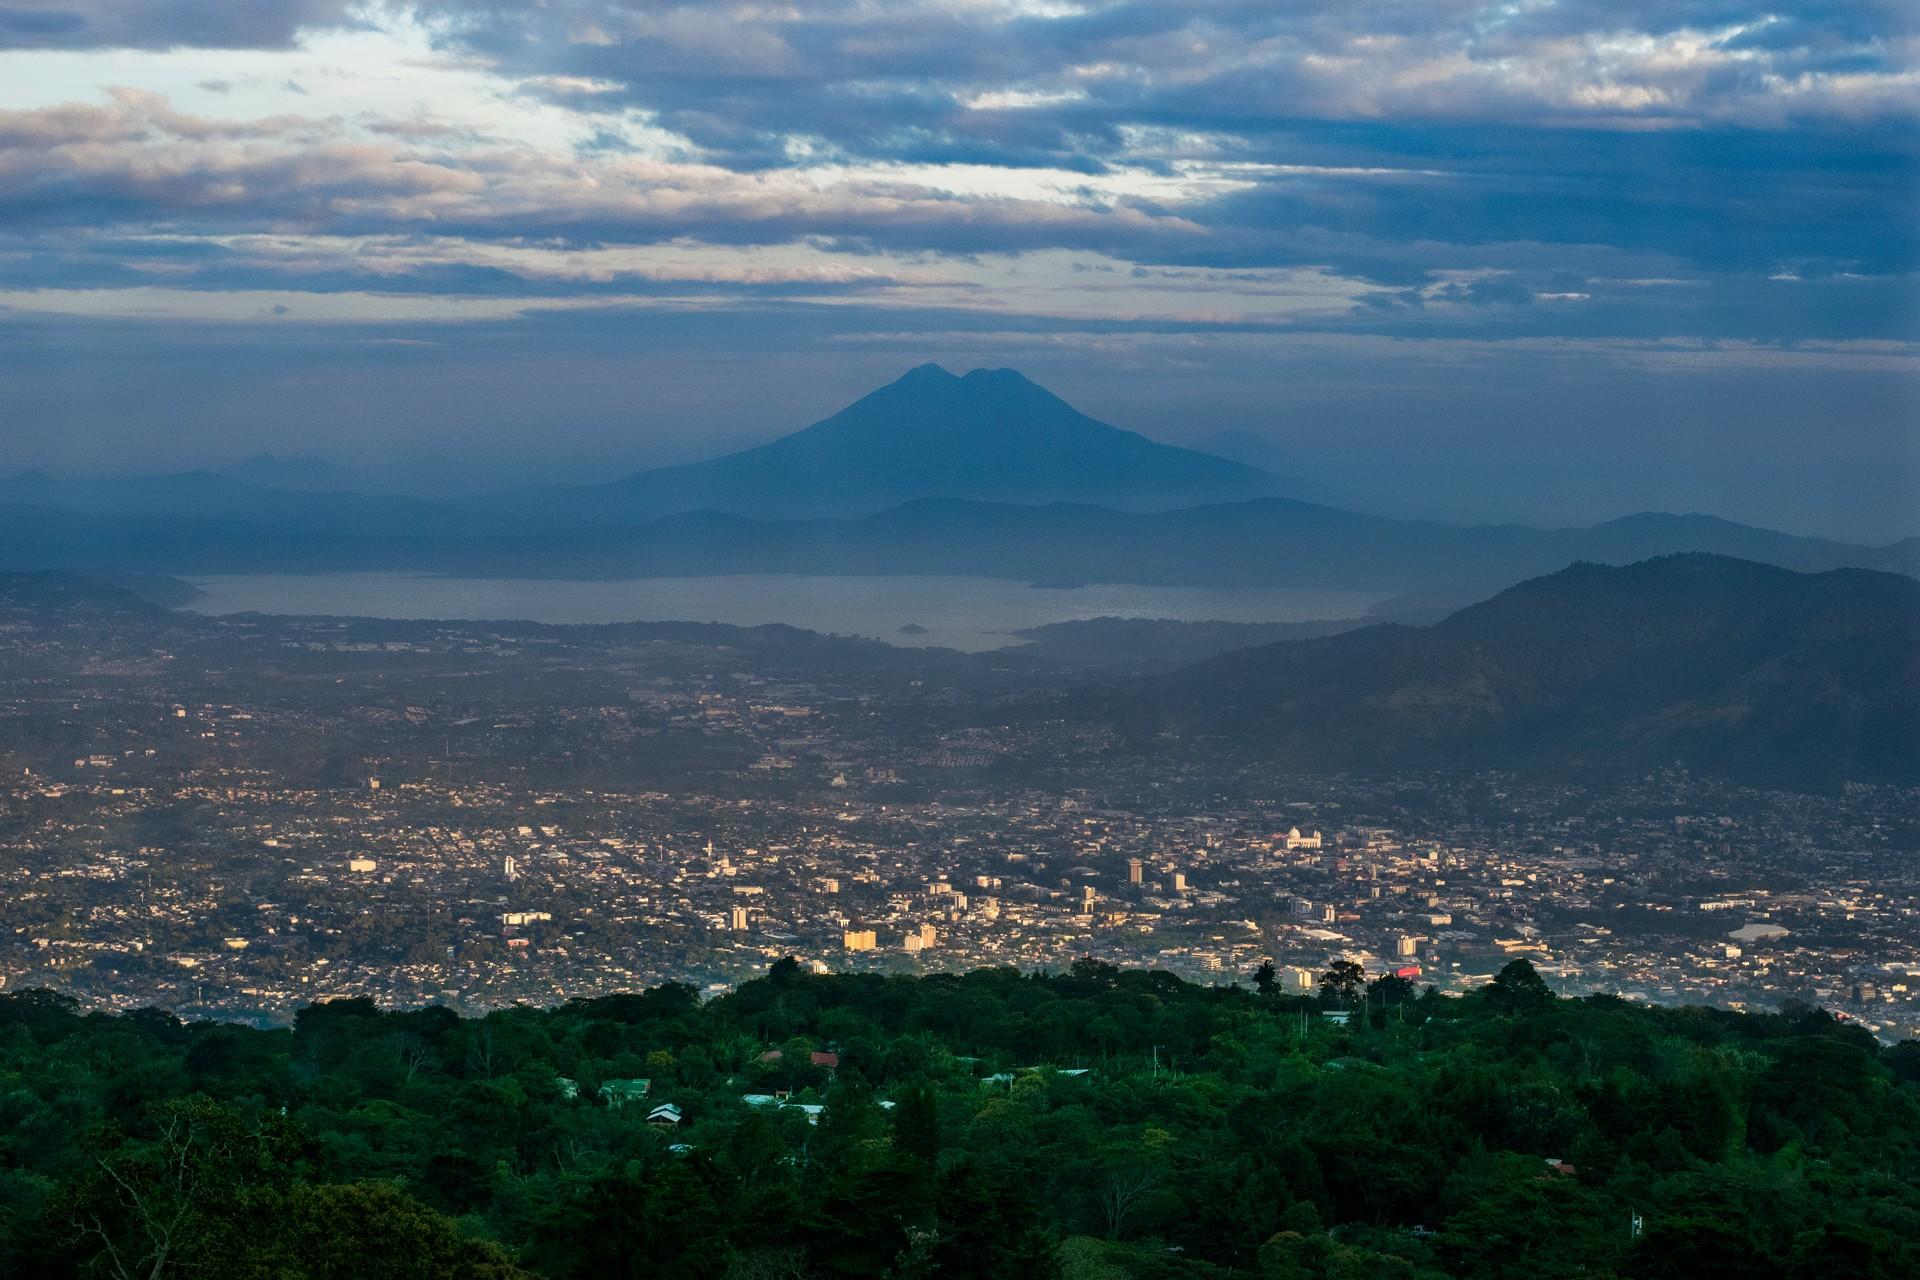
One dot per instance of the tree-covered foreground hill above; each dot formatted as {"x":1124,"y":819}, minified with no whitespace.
{"x":1092,"y":1125}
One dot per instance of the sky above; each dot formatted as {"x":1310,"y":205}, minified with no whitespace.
{"x":1552,"y":260}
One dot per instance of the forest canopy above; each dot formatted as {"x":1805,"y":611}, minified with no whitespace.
{"x":1095,"y":1124}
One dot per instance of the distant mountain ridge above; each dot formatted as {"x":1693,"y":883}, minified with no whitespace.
{"x":1270,"y":542}
{"x":1727,"y":666}
{"x":984,"y":474}
{"x":203,"y":496}
{"x":991,"y":435}
{"x":314,"y":475}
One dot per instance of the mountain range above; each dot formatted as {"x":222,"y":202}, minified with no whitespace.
{"x":312,"y":475}
{"x":991,"y":436}
{"x":1725,"y":666}
{"x":1272,"y":542}
{"x":985,"y":474}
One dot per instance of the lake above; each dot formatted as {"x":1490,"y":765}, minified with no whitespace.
{"x":973,"y":614}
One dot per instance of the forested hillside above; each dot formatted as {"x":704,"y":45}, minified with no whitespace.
{"x":1093,"y":1125}
{"x":1737,"y":669}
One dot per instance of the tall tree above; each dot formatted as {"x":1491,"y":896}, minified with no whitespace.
{"x":1342,"y":983}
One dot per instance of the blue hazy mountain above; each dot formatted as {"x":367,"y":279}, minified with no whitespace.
{"x":310,"y":475}
{"x":1247,"y":447}
{"x":990,"y":436}
{"x":984,"y":474}
{"x":199,"y":496}
{"x":1261,"y":542}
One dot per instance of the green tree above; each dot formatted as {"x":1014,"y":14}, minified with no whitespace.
{"x":1519,"y":988}
{"x":371,"y":1231}
{"x":1390,"y":990}
{"x":1342,"y":983}
{"x":1700,"y":1249}
{"x":988,"y":1230}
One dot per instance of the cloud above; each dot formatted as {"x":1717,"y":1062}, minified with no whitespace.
{"x":1413,"y":233}
{"x":912,"y":79}
{"x":138,"y":160}
{"x":164,"y":24}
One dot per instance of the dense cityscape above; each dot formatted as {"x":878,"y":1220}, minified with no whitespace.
{"x":236,"y":817}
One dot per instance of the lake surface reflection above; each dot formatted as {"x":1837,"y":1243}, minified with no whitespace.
{"x":958,"y":612}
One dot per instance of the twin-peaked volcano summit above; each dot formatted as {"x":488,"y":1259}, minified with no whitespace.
{"x":991,"y":436}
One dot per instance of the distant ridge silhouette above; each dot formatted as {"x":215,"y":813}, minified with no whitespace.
{"x":1725,"y":666}
{"x":991,"y":435}
{"x":983,"y":474}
